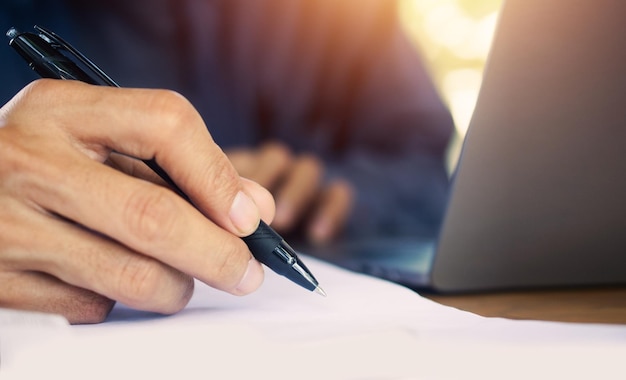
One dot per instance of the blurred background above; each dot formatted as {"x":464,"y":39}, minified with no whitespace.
{"x":454,"y":37}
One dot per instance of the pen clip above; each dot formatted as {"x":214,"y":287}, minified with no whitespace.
{"x":59,"y":43}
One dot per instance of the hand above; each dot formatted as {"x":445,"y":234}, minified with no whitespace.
{"x":296,"y":183}
{"x":77,"y":235}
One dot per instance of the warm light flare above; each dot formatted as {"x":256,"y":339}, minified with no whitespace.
{"x":454,"y":37}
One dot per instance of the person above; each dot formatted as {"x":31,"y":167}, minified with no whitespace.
{"x":325,"y":104}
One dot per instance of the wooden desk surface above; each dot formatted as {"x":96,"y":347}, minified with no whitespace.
{"x":597,"y":305}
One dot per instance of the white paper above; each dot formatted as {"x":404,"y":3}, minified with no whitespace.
{"x":366,"y":329}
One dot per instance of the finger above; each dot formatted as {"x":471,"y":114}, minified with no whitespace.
{"x":331,"y":213}
{"x":135,"y":168}
{"x":90,"y":261}
{"x":272,"y":162}
{"x":146,"y":218}
{"x":146,"y":124}
{"x":43,"y":293}
{"x":297,"y":192}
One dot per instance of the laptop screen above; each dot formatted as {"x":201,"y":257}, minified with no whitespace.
{"x":539,"y":197}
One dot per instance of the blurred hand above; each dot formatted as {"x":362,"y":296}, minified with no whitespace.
{"x":76,"y":234}
{"x":296,"y":181}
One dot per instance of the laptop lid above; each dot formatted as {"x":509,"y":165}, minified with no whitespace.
{"x":539,"y":197}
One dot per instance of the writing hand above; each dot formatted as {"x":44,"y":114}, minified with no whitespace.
{"x":296,"y":181}
{"x":77,"y":235}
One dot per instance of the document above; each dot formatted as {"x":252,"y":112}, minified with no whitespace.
{"x":366,"y":329}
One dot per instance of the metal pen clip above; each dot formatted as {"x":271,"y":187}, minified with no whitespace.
{"x":61,"y":47}
{"x":59,"y":43}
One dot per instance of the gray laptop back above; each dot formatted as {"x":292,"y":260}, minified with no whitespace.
{"x":539,"y":196}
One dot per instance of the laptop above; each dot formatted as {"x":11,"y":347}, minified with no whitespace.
{"x":539,"y":194}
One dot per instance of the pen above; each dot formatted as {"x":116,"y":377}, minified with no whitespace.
{"x":44,"y":54}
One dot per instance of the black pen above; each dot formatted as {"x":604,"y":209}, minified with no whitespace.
{"x":44,"y":53}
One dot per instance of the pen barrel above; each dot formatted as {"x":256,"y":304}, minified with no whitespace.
{"x":268,"y":247}
{"x":45,"y":60}
{"x":262,"y":244}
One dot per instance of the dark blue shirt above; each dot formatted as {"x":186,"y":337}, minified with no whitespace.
{"x":334,"y":78}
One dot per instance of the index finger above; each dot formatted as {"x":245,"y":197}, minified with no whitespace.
{"x":148,"y":124}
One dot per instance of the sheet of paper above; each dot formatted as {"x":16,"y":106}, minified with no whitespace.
{"x":366,"y":329}
{"x":19,"y":329}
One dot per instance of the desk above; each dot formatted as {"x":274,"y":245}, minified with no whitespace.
{"x":596,"y":305}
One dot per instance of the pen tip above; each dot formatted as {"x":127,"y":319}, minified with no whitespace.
{"x":320,"y":291}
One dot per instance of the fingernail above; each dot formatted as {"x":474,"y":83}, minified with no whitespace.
{"x":251,"y":280}
{"x":244,"y":214}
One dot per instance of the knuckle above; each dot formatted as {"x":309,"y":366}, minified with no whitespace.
{"x":149,"y":285}
{"x":13,"y":156}
{"x":150,"y":215}
{"x":16,"y":234}
{"x":175,"y":112}
{"x":171,"y":98}
{"x":139,"y":280}
{"x":37,"y":96}
{"x":41,"y":92}
{"x":23,"y":168}
{"x":39,"y":88}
